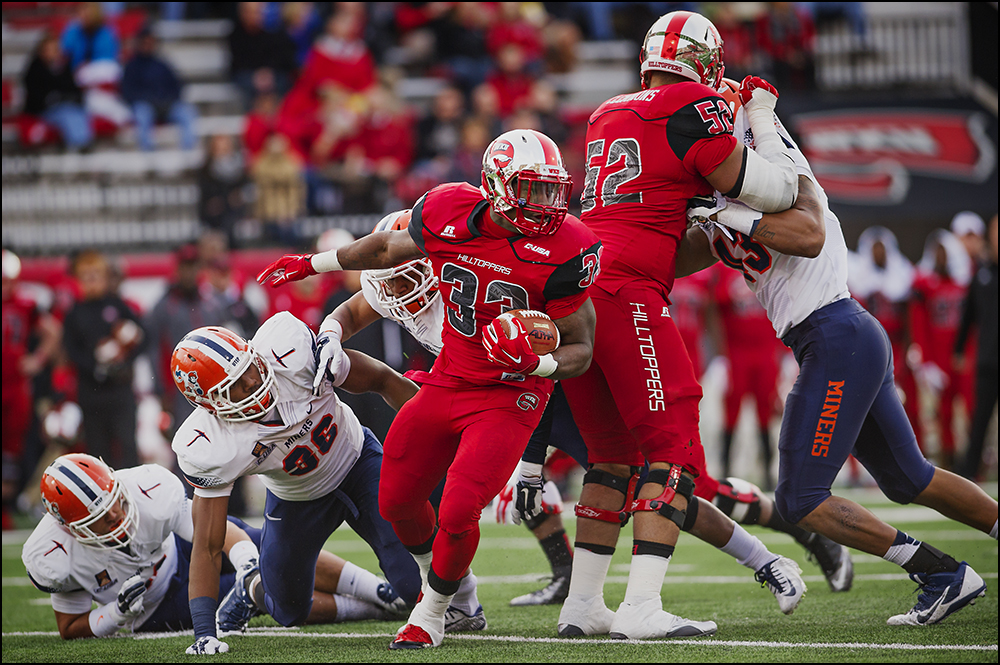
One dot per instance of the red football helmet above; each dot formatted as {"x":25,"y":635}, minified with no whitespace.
{"x":418,"y":272}
{"x":683,"y":43}
{"x":79,"y":490}
{"x":209,"y":361}
{"x":526,"y":182}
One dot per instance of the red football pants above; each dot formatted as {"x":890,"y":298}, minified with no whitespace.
{"x":639,"y":399}
{"x":476,"y":437}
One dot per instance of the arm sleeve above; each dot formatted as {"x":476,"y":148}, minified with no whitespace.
{"x":699,"y":136}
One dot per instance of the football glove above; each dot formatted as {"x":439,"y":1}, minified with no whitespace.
{"x":756,"y":92}
{"x":514,"y":354}
{"x":528,"y":493}
{"x":701,"y":208}
{"x":206,"y":646}
{"x":129,"y":603}
{"x":289,"y":268}
{"x":333,"y":364}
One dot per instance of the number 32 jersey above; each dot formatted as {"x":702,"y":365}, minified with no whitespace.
{"x":485,"y":270}
{"x":647,"y":154}
{"x":302,"y":448}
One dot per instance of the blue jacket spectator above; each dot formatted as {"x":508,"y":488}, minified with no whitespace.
{"x":89,"y":38}
{"x":153,"y":90}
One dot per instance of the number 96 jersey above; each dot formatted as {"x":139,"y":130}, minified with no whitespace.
{"x":303,"y":447}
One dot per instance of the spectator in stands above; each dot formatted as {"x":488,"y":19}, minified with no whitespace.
{"x":103,"y":336}
{"x":438,"y":133}
{"x":486,"y":107}
{"x":737,"y":38}
{"x":220,"y":184}
{"x":562,"y":41}
{"x":151,"y":86}
{"x":467,"y":162}
{"x":260,"y":60}
{"x":302,"y":23}
{"x":50,"y":93}
{"x":261,"y":122}
{"x":279,"y":178}
{"x":30,"y":341}
{"x":510,"y":81}
{"x":544,"y":101}
{"x":785,"y":33}
{"x":980,"y":310}
{"x":519,"y":23}
{"x":181,"y":309}
{"x":93,"y":50}
{"x":222,"y":286}
{"x":461,"y":42}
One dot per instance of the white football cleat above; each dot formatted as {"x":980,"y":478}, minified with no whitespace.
{"x":784,"y":578}
{"x":585,"y":617}
{"x":647,"y":620}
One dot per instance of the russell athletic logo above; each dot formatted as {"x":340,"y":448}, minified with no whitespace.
{"x":828,"y":419}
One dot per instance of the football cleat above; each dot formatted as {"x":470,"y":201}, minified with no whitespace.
{"x":648,"y":621}
{"x":585,"y":617}
{"x":835,"y":561}
{"x":457,"y":621}
{"x":411,"y":637}
{"x":389,"y":600}
{"x":553,"y":594}
{"x":237,"y":607}
{"x":784,"y":578}
{"x":941,"y":594}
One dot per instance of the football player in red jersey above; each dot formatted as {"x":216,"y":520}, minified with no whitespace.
{"x":648,"y":153}
{"x":507,"y":245}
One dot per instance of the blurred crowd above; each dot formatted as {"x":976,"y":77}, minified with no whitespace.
{"x":325,"y":130}
{"x":70,"y":369}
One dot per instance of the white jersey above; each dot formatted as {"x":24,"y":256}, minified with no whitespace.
{"x":303,"y":447}
{"x":77,"y":575}
{"x":426,"y":327}
{"x":789,"y":287}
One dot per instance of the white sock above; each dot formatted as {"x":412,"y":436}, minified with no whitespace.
{"x":645,"y":578}
{"x":358,"y":582}
{"x":902,"y":549}
{"x":466,"y":598}
{"x":241,"y":553}
{"x":993,"y":533}
{"x":747,"y":549}
{"x":589,"y":572}
{"x":424,"y":564}
{"x":350,"y":608}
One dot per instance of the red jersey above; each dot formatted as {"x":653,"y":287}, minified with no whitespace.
{"x":647,"y":155}
{"x":20,"y":316}
{"x":485,"y":270}
{"x":936,"y":313}
{"x":748,"y":330}
{"x":687,"y":308}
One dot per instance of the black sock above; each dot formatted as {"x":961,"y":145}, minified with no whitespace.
{"x":778,"y":523}
{"x":929,"y":560}
{"x":558,"y":552}
{"x":727,"y":447}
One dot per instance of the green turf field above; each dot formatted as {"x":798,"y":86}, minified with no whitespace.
{"x":701,"y":583}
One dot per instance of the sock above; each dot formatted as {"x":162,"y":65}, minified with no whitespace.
{"x":350,"y":608}
{"x":429,"y":613}
{"x":993,"y":533}
{"x":255,"y":588}
{"x":466,"y":598}
{"x":590,"y":569}
{"x":358,"y":582}
{"x":801,"y":536}
{"x":645,"y":575}
{"x":242,"y":552}
{"x":558,"y":552}
{"x":747,"y":549}
{"x":917,"y":557}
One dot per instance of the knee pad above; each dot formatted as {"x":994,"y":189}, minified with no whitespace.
{"x":674,"y":483}
{"x":739,"y":500}
{"x":624,"y":485}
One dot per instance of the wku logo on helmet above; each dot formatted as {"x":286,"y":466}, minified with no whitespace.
{"x":502,"y":153}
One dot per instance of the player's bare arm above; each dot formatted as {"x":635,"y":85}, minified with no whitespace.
{"x":369,"y":375}
{"x":577,"y":346}
{"x":798,"y":231}
{"x":353,"y":314}
{"x":209,"y":515}
{"x":694,"y":253}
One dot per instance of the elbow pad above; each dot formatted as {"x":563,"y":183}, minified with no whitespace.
{"x":765,"y":185}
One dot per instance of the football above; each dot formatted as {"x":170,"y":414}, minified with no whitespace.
{"x":542,"y":331}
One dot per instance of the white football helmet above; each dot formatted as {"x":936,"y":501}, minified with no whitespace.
{"x":79,"y":490}
{"x":418,"y":274}
{"x":526,"y":182}
{"x":209,"y":361}
{"x":683,"y":43}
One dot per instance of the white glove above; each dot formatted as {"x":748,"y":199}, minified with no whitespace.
{"x":528,"y":493}
{"x":701,"y":208}
{"x":130,"y":594}
{"x":333,"y":363}
{"x":207,"y":646}
{"x":739,"y":217}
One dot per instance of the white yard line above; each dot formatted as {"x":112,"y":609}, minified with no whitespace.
{"x":270,"y":632}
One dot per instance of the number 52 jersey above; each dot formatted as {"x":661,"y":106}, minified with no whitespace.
{"x":302,"y":448}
